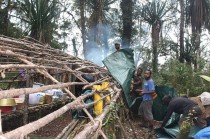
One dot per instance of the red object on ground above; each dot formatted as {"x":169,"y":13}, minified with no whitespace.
{"x":6,"y":108}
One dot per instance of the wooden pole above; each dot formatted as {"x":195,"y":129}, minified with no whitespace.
{"x":0,"y":124}
{"x":26,"y":129}
{"x":67,"y":128}
{"x":25,"y":116}
{"x":17,"y":92}
{"x":91,"y":128}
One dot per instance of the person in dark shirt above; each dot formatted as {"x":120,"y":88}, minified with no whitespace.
{"x":182,"y":105}
{"x":137,"y":83}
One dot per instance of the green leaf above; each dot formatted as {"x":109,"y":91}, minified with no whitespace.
{"x":207,"y":78}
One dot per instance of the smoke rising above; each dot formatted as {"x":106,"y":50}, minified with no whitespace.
{"x":97,"y":46}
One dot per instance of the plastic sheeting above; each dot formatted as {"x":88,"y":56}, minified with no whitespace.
{"x":171,"y":130}
{"x":159,"y":110}
{"x":121,"y":66}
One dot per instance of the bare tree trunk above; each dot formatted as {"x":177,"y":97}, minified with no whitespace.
{"x":75,"y":48}
{"x":4,"y":18}
{"x":82,"y":15}
{"x":127,"y":9}
{"x":155,"y":43}
{"x":197,"y":50}
{"x":181,"y":39}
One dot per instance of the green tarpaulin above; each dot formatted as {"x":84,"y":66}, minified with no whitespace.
{"x":121,"y":66}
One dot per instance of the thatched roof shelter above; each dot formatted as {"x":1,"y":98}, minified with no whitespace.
{"x":55,"y":69}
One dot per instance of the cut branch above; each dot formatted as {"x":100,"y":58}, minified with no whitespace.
{"x":91,"y":128}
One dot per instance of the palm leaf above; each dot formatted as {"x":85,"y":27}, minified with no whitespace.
{"x":207,"y":78}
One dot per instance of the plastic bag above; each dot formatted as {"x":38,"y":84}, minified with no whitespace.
{"x":55,"y":92}
{"x":36,"y":98}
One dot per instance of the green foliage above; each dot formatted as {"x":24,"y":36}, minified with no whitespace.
{"x":55,"y":44}
{"x":40,"y":16}
{"x":182,"y":77}
{"x":207,"y":78}
{"x":14,"y":32}
{"x":197,"y":13}
{"x":111,"y":119}
{"x":154,"y":11}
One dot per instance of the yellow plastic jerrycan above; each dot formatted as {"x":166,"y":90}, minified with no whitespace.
{"x":106,"y":88}
{"x":98,"y":107}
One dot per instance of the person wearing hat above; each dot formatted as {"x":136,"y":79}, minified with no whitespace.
{"x":184,"y":106}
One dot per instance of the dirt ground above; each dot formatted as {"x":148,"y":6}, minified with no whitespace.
{"x":135,"y":131}
{"x":132,"y":128}
{"x":52,"y":129}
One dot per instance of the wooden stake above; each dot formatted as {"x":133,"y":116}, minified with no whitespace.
{"x":25,"y":116}
{"x":0,"y":124}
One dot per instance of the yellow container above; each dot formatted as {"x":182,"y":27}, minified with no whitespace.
{"x":7,"y":102}
{"x":105,"y":86}
{"x":97,"y":87}
{"x":98,"y":107}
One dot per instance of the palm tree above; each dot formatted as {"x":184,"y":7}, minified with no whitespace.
{"x":198,"y":17}
{"x":152,"y":13}
{"x":40,"y":16}
{"x":5,"y":8}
